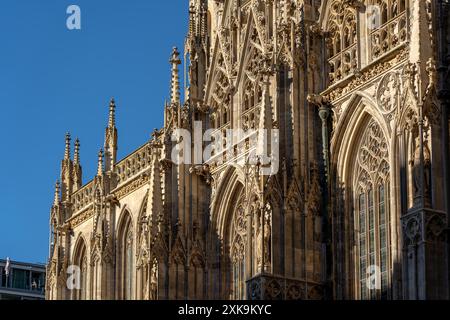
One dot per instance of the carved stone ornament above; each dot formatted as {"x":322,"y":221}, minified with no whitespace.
{"x":388,"y":94}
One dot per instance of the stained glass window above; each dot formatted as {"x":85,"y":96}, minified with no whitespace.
{"x":372,"y":215}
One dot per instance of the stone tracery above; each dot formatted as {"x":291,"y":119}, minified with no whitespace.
{"x":372,"y":210}
{"x":342,"y":42}
{"x":389,"y":25}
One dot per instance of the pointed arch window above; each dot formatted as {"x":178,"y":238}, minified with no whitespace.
{"x":362,"y":245}
{"x":126,"y":260}
{"x":372,"y":215}
{"x":252,"y":84}
{"x":80,"y":260}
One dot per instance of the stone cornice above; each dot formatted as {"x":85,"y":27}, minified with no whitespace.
{"x":131,"y":186}
{"x":81,"y":217}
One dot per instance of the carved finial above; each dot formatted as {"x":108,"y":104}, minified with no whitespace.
{"x":155,"y":133}
{"x":110,"y":145}
{"x":67,"y":151}
{"x":112,"y":113}
{"x":175,"y":82}
{"x":57,"y":193}
{"x":100,"y":163}
{"x":76,"y":156}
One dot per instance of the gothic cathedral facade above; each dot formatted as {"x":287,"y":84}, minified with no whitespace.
{"x":358,"y":92}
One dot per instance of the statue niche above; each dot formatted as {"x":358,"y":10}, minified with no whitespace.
{"x":421,"y":183}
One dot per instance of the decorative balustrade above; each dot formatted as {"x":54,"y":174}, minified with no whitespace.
{"x":134,"y":164}
{"x":343,"y":64}
{"x":83,"y":197}
{"x":389,"y":36}
{"x":126,"y":169}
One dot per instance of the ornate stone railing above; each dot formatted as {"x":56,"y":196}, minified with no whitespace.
{"x":388,"y":36}
{"x":343,"y":64}
{"x":134,"y":164}
{"x":130,"y":167}
{"x":83,"y":197}
{"x":269,"y":287}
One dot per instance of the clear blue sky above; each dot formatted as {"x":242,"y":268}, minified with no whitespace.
{"x":53,"y":80}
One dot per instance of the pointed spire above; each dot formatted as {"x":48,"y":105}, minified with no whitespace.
{"x":110,"y":145}
{"x":112,"y":114}
{"x":66,"y":172}
{"x":77,"y":171}
{"x":76,"y":157}
{"x":175,"y":82}
{"x":67,"y":151}
{"x":57,"y":193}
{"x":100,"y":163}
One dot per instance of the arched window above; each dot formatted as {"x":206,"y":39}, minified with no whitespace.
{"x":252,"y":85}
{"x":341,"y":42}
{"x":371,"y":187}
{"x":126,"y":259}
{"x":221,"y":96}
{"x":334,"y":46}
{"x":349,"y":28}
{"x":80,"y":260}
{"x":384,"y":12}
{"x":387,"y":24}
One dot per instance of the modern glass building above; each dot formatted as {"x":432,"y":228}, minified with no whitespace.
{"x":24,"y":281}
